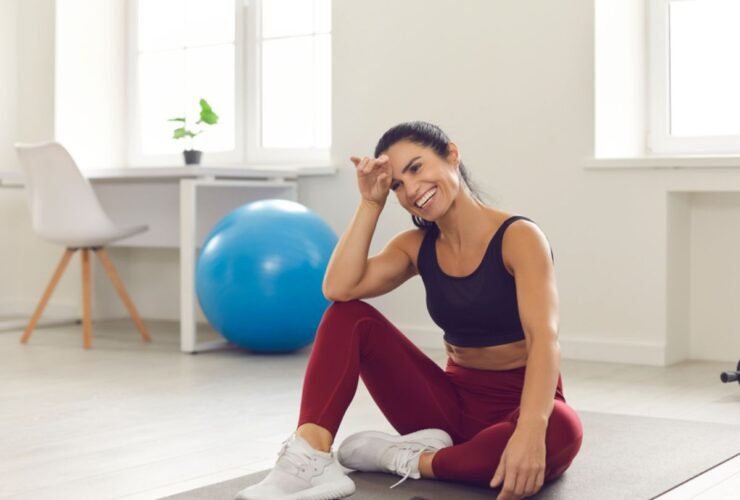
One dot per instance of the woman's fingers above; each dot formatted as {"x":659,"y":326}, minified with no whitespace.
{"x":375,"y":162}
{"x":366,"y":165}
{"x":382,"y":160}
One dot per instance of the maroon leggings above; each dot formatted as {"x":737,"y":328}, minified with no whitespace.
{"x":478,"y":408}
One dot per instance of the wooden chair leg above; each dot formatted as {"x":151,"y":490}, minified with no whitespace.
{"x":86,"y":300}
{"x":118,"y":284}
{"x":58,"y":272}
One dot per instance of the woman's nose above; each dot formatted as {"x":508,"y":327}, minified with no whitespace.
{"x":412,"y":193}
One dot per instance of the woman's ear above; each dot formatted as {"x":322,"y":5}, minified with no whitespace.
{"x":454,"y":156}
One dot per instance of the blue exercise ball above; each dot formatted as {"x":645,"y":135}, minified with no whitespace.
{"x":259,"y":274}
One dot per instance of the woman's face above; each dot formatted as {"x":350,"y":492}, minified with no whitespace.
{"x":424,"y":183}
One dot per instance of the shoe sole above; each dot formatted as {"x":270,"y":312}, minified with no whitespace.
{"x":321,"y":492}
{"x":435,"y":438}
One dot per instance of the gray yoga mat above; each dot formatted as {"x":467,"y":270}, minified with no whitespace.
{"x":622,"y":457}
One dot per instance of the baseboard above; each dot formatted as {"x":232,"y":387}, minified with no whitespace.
{"x":613,"y":351}
{"x":608,"y":351}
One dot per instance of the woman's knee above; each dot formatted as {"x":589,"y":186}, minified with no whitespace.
{"x":352,"y":310}
{"x":567,"y":430}
{"x":341,"y":318}
{"x":351,"y":307}
{"x":567,"y":422}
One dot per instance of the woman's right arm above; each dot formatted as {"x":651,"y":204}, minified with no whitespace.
{"x":350,"y":274}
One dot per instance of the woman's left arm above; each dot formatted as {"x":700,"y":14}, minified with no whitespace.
{"x":522,"y":465}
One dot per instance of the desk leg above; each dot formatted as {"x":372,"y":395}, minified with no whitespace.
{"x":187,"y":265}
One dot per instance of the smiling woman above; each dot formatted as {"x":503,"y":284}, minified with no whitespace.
{"x":490,"y":284}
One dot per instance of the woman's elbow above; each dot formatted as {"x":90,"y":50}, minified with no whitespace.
{"x":333,"y":295}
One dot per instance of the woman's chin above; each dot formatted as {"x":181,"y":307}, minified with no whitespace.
{"x":427,"y":216}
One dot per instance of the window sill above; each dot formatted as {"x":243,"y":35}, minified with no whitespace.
{"x":14,"y":178}
{"x":290,"y":168}
{"x":663,"y":162}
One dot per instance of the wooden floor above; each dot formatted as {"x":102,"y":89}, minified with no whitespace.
{"x":141,"y":421}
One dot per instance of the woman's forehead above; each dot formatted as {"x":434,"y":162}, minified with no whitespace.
{"x":403,"y":152}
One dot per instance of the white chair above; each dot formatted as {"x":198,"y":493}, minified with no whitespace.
{"x":66,"y":211}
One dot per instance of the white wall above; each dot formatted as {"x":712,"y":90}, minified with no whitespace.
{"x":90,"y":87}
{"x":35,"y":31}
{"x":8,"y":83}
{"x":513,"y":85}
{"x":28,"y":262}
{"x":8,"y":132}
{"x":620,"y":70}
{"x":715,"y":275}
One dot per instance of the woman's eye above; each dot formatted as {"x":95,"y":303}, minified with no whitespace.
{"x":413,"y":168}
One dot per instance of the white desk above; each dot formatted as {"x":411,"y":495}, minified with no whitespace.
{"x":180,"y":205}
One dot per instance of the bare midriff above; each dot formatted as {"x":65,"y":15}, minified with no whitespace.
{"x":499,"y":357}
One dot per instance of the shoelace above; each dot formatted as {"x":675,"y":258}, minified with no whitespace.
{"x":403,"y":459}
{"x":298,"y":458}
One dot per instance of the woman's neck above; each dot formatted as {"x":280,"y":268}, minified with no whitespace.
{"x":465,"y":223}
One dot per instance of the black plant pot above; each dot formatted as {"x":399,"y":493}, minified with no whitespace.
{"x":192,"y":156}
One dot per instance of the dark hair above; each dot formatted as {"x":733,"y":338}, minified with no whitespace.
{"x":431,"y":136}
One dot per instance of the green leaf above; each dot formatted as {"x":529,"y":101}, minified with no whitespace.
{"x":209,"y":117}
{"x":206,"y":113}
{"x":180,"y":133}
{"x":176,"y":120}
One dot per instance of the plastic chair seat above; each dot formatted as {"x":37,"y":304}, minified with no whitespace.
{"x":93,"y":237}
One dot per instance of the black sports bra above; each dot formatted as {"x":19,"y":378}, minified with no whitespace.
{"x":477,"y":310}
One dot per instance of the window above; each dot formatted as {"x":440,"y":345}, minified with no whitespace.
{"x":263,"y":65}
{"x":295,"y":48}
{"x":184,"y":50}
{"x":694,"y":75}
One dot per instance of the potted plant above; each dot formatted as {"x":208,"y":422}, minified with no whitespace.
{"x":207,"y":116}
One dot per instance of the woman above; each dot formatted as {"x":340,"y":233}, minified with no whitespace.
{"x":496,"y":415}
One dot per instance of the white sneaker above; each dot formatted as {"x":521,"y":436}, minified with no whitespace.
{"x":301,"y":473}
{"x":373,"y":451}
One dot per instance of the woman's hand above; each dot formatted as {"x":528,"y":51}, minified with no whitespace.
{"x":373,"y":178}
{"x":522,"y":466}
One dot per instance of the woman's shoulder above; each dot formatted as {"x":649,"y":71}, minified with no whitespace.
{"x":520,"y":223}
{"x":504,"y":216}
{"x":513,"y":220}
{"x":522,"y":236}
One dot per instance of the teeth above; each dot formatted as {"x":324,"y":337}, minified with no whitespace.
{"x":424,"y":199}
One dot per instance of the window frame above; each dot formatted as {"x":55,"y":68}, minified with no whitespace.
{"x":247,"y":64}
{"x":136,"y":157}
{"x":659,"y":140}
{"x":255,"y":153}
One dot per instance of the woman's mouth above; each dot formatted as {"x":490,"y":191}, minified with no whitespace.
{"x":426,"y":199}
